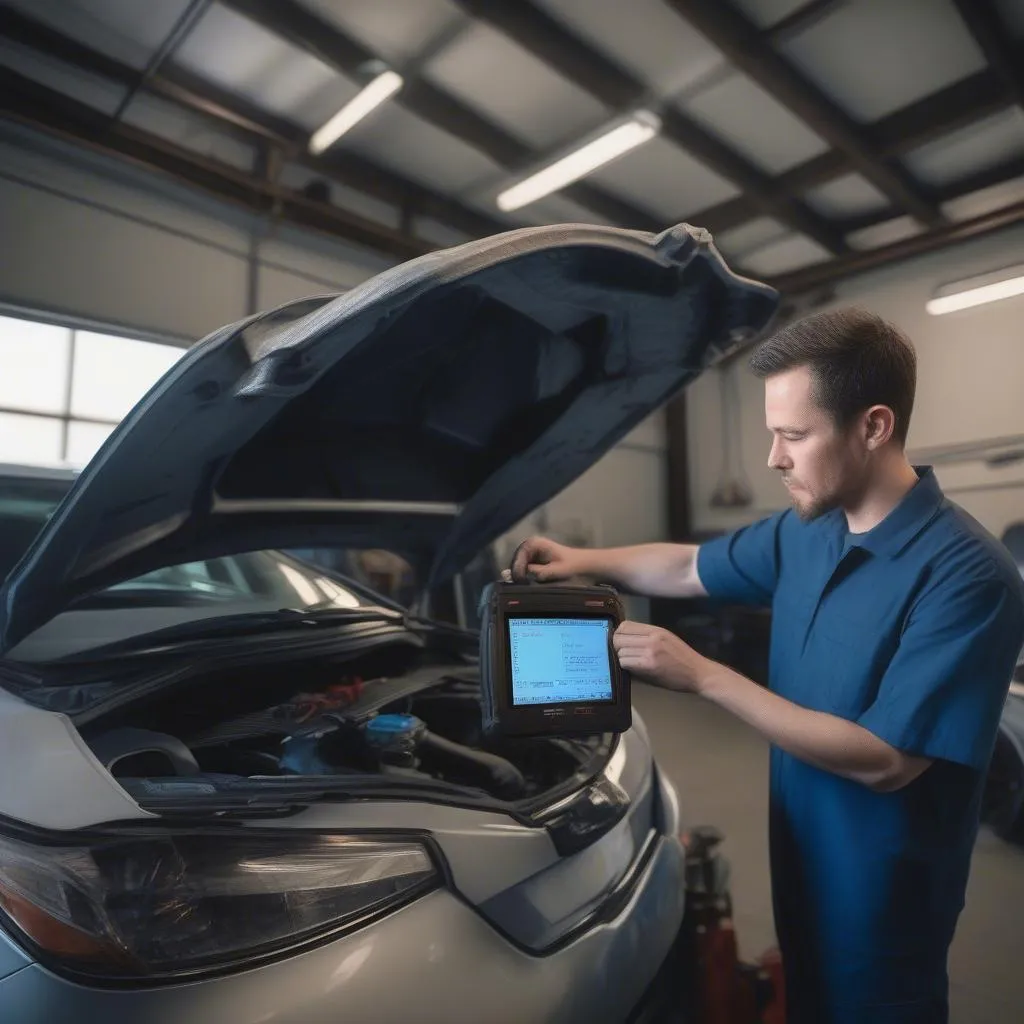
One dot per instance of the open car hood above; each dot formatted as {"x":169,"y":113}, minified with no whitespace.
{"x":426,"y":411}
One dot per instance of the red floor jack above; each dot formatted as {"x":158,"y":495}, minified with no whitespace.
{"x":725,"y":990}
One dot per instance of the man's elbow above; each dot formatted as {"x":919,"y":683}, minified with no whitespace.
{"x":896,"y":774}
{"x":886,"y":782}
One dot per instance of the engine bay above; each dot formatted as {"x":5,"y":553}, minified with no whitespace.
{"x":385,"y":715}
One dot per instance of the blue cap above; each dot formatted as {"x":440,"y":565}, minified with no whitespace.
{"x":395,"y":732}
{"x":395,"y":735}
{"x":393,"y":725}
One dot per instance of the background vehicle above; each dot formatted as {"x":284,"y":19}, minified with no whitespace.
{"x":1003,"y":804}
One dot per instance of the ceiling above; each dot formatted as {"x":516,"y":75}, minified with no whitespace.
{"x":814,"y":138}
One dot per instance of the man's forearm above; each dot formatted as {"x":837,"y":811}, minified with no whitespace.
{"x":654,"y":570}
{"x":825,"y":741}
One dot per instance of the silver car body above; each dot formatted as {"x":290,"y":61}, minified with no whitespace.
{"x":439,"y":957}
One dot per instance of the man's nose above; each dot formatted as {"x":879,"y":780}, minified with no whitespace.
{"x":776,"y":457}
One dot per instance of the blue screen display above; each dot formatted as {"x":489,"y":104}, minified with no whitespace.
{"x":559,"y":661}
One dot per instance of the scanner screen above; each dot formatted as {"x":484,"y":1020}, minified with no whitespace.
{"x":559,"y":661}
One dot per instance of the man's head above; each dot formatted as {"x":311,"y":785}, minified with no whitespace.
{"x":839,"y":392}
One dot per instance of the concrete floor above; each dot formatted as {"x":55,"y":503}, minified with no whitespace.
{"x":720,"y":768}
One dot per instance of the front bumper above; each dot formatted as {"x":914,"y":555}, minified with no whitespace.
{"x":441,"y":958}
{"x":436,"y":960}
{"x":670,"y":996}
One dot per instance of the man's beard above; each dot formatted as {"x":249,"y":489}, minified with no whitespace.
{"x":815,"y":507}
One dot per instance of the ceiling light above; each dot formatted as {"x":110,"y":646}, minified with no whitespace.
{"x":382,"y":88}
{"x":1002,"y":284}
{"x":640,"y":128}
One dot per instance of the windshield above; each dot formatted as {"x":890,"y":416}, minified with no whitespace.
{"x":257,"y":582}
{"x":389,"y":574}
{"x":261,"y":576}
{"x":25,"y":505}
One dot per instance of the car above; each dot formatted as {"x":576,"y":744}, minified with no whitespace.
{"x":1003,"y":797}
{"x":236,"y":787}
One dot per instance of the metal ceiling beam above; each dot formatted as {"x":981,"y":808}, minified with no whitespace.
{"x":1009,"y":170}
{"x":36,"y":106}
{"x":987,"y":178}
{"x":35,"y":35}
{"x":956,"y":106}
{"x":728,"y":30}
{"x":946,"y":111}
{"x":180,"y":31}
{"x":799,"y":21}
{"x":547,"y":39}
{"x":941,"y":237}
{"x":551,"y":42}
{"x":1004,"y":55}
{"x":231,"y":113}
{"x":308,"y":31}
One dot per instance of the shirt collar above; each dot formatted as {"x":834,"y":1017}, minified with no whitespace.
{"x":905,"y":521}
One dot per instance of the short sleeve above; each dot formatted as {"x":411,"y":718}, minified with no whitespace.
{"x":944,"y":690}
{"x":743,"y":567}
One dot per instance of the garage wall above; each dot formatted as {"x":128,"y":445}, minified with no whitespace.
{"x":622,"y":499}
{"x":970,"y":375}
{"x":103,"y":241}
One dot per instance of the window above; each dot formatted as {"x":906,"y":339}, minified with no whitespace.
{"x":63,"y":391}
{"x":29,"y":439}
{"x":111,"y":374}
{"x":34,"y":361}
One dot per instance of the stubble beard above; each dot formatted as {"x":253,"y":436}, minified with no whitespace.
{"x":815,"y":507}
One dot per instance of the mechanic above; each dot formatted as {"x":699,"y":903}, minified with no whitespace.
{"x":897,"y":621}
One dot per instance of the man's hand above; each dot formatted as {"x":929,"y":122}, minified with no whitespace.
{"x":660,"y":657}
{"x":546,"y":561}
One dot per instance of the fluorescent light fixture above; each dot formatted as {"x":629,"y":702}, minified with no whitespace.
{"x":640,"y":128}
{"x":1002,"y":284}
{"x":381,"y":89}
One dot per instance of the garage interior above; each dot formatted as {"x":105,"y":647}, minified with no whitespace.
{"x":164,"y":171}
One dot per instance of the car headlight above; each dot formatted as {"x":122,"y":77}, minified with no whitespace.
{"x":166,"y":904}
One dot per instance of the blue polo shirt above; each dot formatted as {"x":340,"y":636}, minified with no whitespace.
{"x":912,"y":630}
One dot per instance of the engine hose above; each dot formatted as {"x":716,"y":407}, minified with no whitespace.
{"x":507,"y":779}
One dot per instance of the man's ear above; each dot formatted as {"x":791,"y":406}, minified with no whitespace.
{"x":879,"y":426}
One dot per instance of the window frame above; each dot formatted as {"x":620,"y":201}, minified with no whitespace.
{"x":76,"y":325}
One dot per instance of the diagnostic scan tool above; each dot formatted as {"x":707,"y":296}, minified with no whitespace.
{"x":547,"y":662}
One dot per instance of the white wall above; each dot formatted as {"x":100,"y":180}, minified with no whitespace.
{"x":622,"y":499}
{"x":970,"y":386}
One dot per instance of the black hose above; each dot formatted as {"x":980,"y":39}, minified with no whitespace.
{"x":505,"y":777}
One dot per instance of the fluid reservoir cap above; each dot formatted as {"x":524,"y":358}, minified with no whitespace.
{"x":395,"y":731}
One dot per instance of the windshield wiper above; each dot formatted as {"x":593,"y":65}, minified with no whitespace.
{"x":151,"y":597}
{"x":428,"y":625}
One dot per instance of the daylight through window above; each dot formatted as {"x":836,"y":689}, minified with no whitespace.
{"x":62,"y":391}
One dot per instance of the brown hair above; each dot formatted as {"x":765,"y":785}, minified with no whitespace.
{"x":856,"y":360}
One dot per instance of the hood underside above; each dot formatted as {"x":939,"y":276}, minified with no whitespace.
{"x":426,"y":411}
